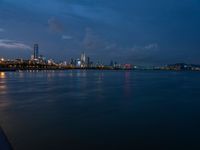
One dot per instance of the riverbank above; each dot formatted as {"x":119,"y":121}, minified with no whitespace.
{"x":4,"y":142}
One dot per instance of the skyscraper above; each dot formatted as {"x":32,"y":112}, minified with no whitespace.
{"x":88,"y":62}
{"x":36,"y":51}
{"x":83,"y":59}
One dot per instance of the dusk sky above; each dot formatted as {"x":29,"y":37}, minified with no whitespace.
{"x":132,"y":31}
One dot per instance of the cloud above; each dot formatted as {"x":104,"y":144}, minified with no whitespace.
{"x":151,"y":46}
{"x":143,"y":53}
{"x":112,"y":49}
{"x":145,"y":49}
{"x":95,"y":13}
{"x":137,"y":53}
{"x":92,"y":41}
{"x":2,"y":30}
{"x":67,"y":37}
{"x":10,"y":44}
{"x":55,"y":25}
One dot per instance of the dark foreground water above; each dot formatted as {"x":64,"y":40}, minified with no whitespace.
{"x":101,"y":110}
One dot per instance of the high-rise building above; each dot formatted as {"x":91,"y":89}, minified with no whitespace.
{"x":112,"y":63}
{"x":88,"y":62}
{"x":78,"y":63}
{"x":36,"y":51}
{"x":72,"y":62}
{"x":83,"y":57}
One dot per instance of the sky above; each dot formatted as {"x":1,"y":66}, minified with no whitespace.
{"x":127,"y":31}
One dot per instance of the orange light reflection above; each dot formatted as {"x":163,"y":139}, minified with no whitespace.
{"x":2,"y":75}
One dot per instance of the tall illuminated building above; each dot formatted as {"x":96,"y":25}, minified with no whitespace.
{"x":78,"y":63}
{"x":83,"y":59}
{"x":36,"y":51}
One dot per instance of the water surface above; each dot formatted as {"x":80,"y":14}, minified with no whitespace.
{"x":102,"y":110}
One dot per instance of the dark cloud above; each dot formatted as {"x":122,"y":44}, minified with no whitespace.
{"x":55,"y":25}
{"x":92,"y":41}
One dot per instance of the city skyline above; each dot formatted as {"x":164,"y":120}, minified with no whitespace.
{"x":37,"y":61}
{"x":137,"y":32}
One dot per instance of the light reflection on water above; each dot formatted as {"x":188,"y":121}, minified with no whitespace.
{"x":2,"y":82}
{"x":4,"y":99}
{"x":98,"y":109}
{"x":2,"y":75}
{"x":127,"y":84}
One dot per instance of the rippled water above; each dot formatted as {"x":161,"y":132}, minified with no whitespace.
{"x":101,"y":110}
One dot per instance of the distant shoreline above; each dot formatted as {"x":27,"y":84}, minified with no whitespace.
{"x":86,"y":69}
